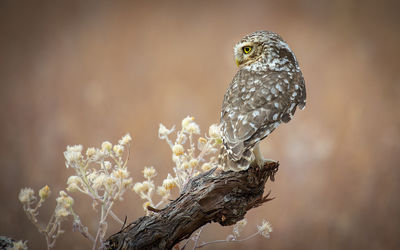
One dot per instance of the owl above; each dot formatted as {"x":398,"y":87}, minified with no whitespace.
{"x":266,"y":91}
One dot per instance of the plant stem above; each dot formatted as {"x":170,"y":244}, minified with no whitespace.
{"x":225,"y":241}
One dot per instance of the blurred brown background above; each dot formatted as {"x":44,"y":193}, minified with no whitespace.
{"x":81,"y":72}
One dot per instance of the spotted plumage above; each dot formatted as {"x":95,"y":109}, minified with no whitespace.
{"x":265,"y":92}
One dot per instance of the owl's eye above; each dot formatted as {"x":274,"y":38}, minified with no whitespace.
{"x":247,"y":49}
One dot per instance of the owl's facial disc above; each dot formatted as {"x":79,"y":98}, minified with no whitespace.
{"x":245,"y":53}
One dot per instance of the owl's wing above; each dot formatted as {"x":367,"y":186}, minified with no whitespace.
{"x":301,"y":90}
{"x":253,"y":107}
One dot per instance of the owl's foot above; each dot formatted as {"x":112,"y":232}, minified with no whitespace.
{"x":262,"y":162}
{"x":259,"y":159}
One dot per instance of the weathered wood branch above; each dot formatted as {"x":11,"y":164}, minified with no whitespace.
{"x":222,"y":197}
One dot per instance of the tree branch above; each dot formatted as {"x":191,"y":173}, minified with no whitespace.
{"x":222,"y":197}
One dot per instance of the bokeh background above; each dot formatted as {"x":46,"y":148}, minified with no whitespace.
{"x":81,"y":72}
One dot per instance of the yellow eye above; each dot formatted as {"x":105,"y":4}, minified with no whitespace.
{"x":247,"y":49}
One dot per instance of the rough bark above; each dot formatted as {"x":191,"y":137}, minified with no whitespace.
{"x":222,"y":197}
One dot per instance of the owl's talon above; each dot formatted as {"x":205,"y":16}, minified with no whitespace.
{"x":261,"y":163}
{"x":270,"y":161}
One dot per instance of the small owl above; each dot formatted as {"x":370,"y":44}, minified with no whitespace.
{"x":266,"y":90}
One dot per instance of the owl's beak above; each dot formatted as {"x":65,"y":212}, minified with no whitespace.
{"x":237,"y":62}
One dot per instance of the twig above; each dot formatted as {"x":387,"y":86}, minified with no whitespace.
{"x":197,"y":237}
{"x":115,"y":217}
{"x":228,"y":241}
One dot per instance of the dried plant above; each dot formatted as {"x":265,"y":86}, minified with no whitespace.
{"x":187,"y":160}
{"x":102,"y":175}
{"x":189,"y":151}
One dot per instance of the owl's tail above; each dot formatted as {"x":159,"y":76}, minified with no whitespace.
{"x":227,"y":163}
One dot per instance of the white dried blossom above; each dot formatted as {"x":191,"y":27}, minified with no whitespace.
{"x":193,"y":128}
{"x":120,"y":173}
{"x":265,"y":229}
{"x":118,"y":150}
{"x":61,"y":212}
{"x":106,"y":146}
{"x":146,"y":186}
{"x":239,"y":227}
{"x":100,"y":154}
{"x":73,"y":187}
{"x":178,"y":149}
{"x":92,"y":176}
{"x":149,"y":172}
{"x":189,"y":126}
{"x":44,"y":192}
{"x":19,"y":245}
{"x":163,"y":132}
{"x":73,"y":154}
{"x":201,"y":143}
{"x":125,"y":183}
{"x":214,"y":131}
{"x":186,"y":122}
{"x":143,"y":188}
{"x":193,"y":163}
{"x":26,"y":195}
{"x":184,"y":165}
{"x":99,"y":181}
{"x":125,"y":140}
{"x":73,"y":179}
{"x":75,"y":148}
{"x":64,"y":204}
{"x":109,"y":181}
{"x":162,"y":191}
{"x":73,"y":183}
{"x":138,"y":187}
{"x":64,"y":200}
{"x":175,"y":159}
{"x":107,"y":165}
{"x":169,"y":183}
{"x":230,"y":237}
{"x":90,"y":152}
{"x":206,"y":166}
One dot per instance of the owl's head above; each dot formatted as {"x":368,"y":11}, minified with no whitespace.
{"x":265,"y":47}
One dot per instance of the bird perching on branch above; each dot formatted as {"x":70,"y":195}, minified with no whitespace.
{"x":266,"y":91}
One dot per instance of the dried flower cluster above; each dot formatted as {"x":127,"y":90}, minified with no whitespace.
{"x":8,"y":243}
{"x":19,"y":245}
{"x":101,"y":173}
{"x":264,"y":230}
{"x":190,"y":154}
{"x":31,"y":205}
